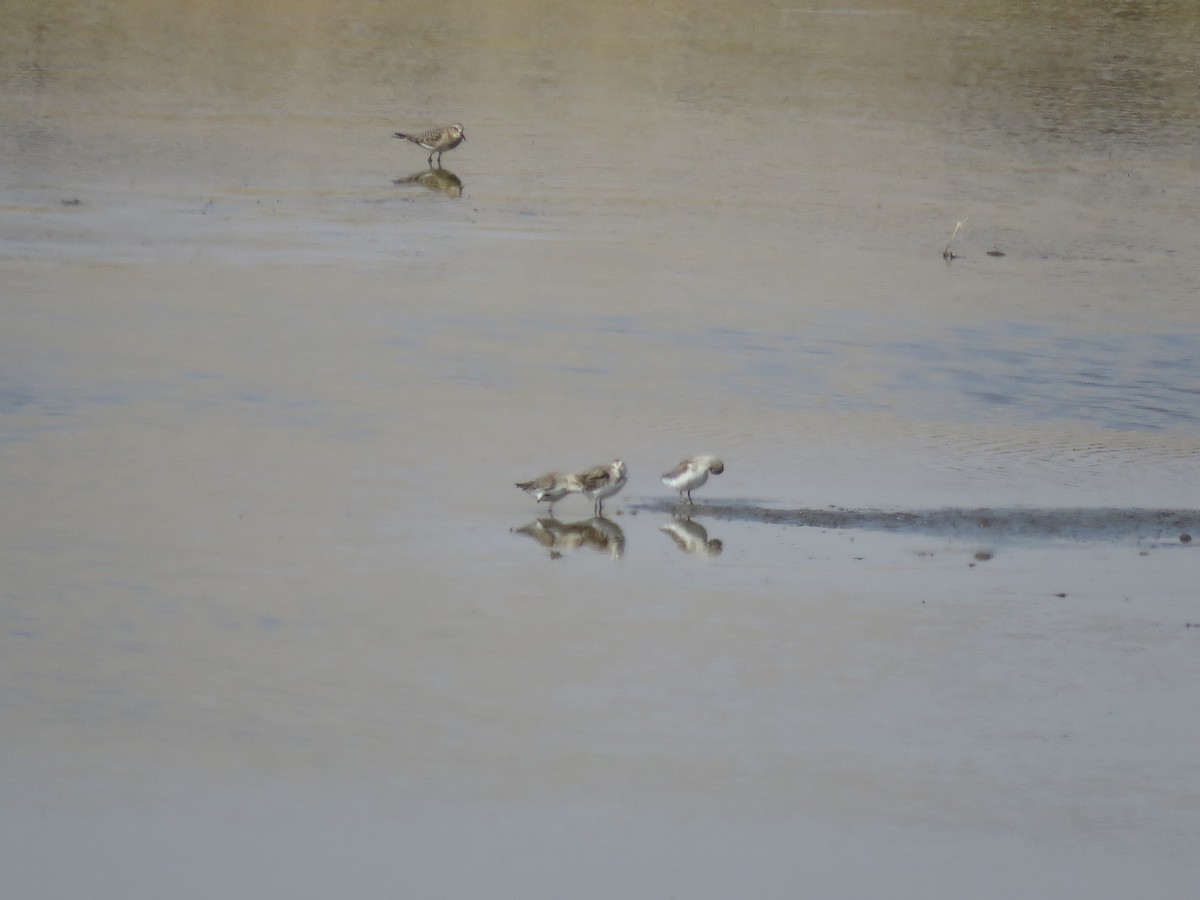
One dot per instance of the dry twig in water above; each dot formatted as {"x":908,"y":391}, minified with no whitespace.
{"x":949,"y":254}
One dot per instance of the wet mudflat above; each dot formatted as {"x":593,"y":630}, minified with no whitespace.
{"x":1020,"y":524}
{"x":274,"y":611}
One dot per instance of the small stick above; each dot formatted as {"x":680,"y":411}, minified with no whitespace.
{"x":948,"y":254}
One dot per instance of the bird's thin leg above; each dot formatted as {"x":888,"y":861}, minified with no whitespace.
{"x":430,"y":160}
{"x":690,"y":500}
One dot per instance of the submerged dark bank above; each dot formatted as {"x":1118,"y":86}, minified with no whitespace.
{"x":1079,"y":524}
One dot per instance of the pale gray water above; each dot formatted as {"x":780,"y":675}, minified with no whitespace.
{"x":269,"y":624}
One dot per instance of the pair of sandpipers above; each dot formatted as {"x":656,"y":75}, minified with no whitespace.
{"x":601,"y":482}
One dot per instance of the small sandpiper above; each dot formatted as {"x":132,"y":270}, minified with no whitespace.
{"x":600,"y":482}
{"x":437,"y":140}
{"x":691,"y":474}
{"x":552,"y":486}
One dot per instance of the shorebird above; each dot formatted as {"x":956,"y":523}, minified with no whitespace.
{"x":437,"y":140}
{"x":692,"y":473}
{"x":601,"y":482}
{"x":552,"y":486}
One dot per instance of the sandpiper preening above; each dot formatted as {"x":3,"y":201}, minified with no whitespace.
{"x":692,"y":473}
{"x":552,"y":487}
{"x":437,"y":140}
{"x":601,"y":482}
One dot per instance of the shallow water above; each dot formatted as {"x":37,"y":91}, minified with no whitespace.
{"x":266,"y":384}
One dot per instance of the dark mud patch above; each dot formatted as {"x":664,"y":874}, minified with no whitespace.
{"x":1170,"y":526}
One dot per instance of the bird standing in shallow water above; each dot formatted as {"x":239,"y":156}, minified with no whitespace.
{"x":552,"y":486}
{"x":692,"y":473}
{"x":437,"y":140}
{"x":601,"y":482}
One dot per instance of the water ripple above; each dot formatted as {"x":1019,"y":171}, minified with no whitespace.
{"x":1021,"y":372}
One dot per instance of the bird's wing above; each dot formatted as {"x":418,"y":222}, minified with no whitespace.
{"x":679,"y":469}
{"x":595,"y":477}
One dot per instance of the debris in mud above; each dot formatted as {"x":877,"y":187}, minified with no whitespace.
{"x":949,"y":255}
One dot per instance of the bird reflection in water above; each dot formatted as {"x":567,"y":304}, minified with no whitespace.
{"x":441,"y":180}
{"x":599,"y":533}
{"x":692,"y":537}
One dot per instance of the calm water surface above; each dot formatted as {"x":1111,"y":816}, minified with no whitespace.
{"x":273,"y":612}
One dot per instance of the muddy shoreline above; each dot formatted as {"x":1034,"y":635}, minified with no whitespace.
{"x":995,"y":523}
